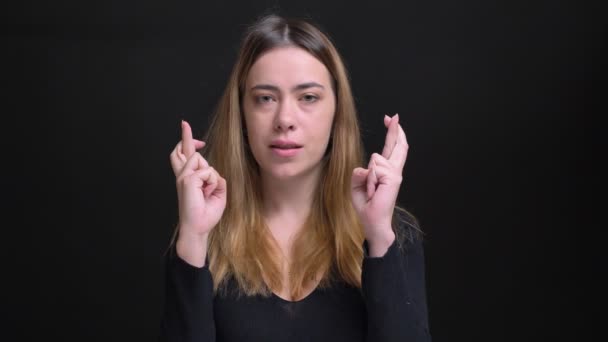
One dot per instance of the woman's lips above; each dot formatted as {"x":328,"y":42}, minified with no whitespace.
{"x":285,"y":152}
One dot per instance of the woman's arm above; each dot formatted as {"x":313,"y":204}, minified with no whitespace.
{"x":394,"y":291}
{"x":188,"y":308}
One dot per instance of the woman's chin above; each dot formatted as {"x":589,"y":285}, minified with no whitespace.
{"x":289,"y":171}
{"x":284,"y":173}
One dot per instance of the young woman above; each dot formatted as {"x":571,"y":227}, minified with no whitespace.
{"x":282,"y":234}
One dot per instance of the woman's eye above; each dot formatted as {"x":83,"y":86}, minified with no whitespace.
{"x":309,"y":98}
{"x":264,"y":99}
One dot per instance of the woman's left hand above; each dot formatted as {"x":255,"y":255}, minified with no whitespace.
{"x":375,"y":189}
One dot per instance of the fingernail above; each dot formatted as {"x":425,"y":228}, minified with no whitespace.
{"x":386,"y":116}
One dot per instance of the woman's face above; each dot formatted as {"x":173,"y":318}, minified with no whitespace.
{"x":289,"y":107}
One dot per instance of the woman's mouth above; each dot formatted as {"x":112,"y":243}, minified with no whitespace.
{"x":285,"y":150}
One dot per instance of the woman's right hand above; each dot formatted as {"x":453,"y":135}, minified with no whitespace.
{"x":201,"y":193}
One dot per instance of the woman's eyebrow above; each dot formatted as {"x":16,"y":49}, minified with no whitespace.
{"x":265,"y":87}
{"x":306,"y":86}
{"x":295,"y":88}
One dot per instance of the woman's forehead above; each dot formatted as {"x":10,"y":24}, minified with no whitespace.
{"x":286,"y":67}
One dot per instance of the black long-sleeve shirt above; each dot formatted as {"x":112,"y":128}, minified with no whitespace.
{"x":390,"y":306}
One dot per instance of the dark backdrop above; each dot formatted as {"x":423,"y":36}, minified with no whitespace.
{"x":494,"y":97}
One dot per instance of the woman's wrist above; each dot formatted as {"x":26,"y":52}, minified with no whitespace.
{"x":192,"y":249}
{"x":380,"y":243}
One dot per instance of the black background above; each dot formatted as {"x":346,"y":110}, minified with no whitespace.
{"x":495,"y":98}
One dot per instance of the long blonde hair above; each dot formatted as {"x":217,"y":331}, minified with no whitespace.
{"x":241,"y":246}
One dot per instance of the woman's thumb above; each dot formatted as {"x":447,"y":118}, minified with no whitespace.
{"x":359,"y":177}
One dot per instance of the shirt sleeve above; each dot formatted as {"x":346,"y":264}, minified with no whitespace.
{"x":188,"y":309}
{"x":394,"y":292}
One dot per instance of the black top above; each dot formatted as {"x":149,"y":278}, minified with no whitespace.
{"x":390,"y":306}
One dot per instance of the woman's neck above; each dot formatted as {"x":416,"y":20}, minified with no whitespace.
{"x":287,"y":202}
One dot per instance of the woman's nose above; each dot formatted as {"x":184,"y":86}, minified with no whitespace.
{"x":285,"y":118}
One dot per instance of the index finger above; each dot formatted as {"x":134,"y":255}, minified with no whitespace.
{"x":391,"y":135}
{"x":187,"y":141}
